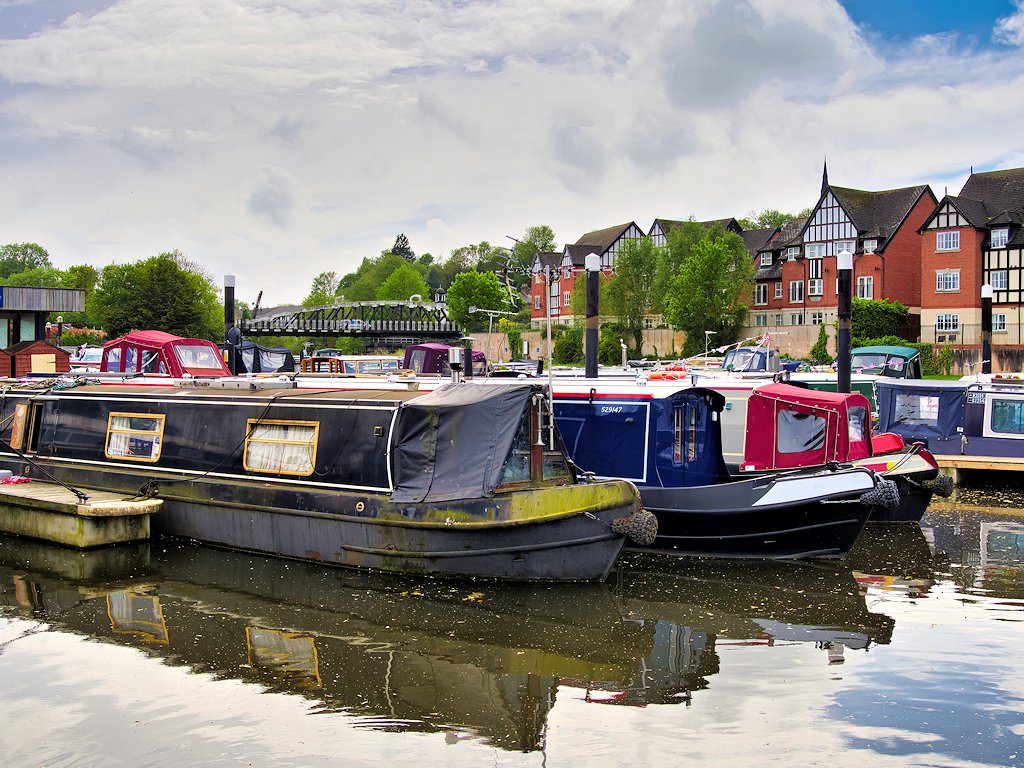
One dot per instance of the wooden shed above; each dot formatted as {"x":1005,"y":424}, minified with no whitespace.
{"x":36,"y":357}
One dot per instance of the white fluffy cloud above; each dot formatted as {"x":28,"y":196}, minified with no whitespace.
{"x":279,"y":139}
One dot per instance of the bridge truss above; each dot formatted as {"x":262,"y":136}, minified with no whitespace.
{"x":361,"y":319}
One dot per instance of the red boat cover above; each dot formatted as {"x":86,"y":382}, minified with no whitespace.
{"x":159,"y":352}
{"x":790,"y":427}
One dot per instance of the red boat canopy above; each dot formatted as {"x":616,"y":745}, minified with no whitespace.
{"x":159,"y":352}
{"x":791,"y":427}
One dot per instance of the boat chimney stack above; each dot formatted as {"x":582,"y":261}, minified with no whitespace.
{"x":455,"y":363}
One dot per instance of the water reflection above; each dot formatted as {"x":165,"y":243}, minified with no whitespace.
{"x":480,"y":659}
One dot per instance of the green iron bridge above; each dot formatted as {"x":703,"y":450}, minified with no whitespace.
{"x":364,"y":319}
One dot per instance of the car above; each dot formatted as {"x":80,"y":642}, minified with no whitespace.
{"x":86,"y":360}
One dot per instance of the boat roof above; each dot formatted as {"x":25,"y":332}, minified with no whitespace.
{"x":887,"y":350}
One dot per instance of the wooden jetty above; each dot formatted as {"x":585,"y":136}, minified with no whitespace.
{"x":957,"y":466}
{"x":54,"y":513}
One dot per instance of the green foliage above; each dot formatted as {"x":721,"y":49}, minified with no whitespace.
{"x":711,"y":291}
{"x":401,"y":248}
{"x":514,"y":335}
{"x":819,"y":351}
{"x":609,"y":348}
{"x":766,"y":219}
{"x":578,"y":302}
{"x":162,"y":293}
{"x":671,"y":258}
{"x":473,"y":289}
{"x":946,"y":359}
{"x":369,"y":277}
{"x":21,"y":257}
{"x":540,"y":239}
{"x":631,"y":294}
{"x":878,"y":318}
{"x":401,"y":284}
{"x":323,"y":291}
{"x":567,"y":347}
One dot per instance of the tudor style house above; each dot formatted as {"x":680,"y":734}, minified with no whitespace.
{"x":660,"y":228}
{"x":563,"y":269}
{"x":795,"y":278}
{"x":969,"y":240}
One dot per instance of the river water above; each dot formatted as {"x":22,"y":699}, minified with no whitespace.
{"x":908,"y":653}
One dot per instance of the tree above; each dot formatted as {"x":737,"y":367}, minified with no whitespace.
{"x":473,"y":289}
{"x":630,"y":294}
{"x":873,"y":319}
{"x":15,"y":258}
{"x":157,"y":294}
{"x":712,"y":291}
{"x":324,"y":290}
{"x":401,"y":248}
{"x":539,"y":239}
{"x":371,"y":275}
{"x":766,"y":219}
{"x":673,"y":255}
{"x":403,"y":283}
{"x":819,"y":351}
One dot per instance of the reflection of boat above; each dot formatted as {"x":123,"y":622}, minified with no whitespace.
{"x":466,"y":480}
{"x":695,"y":608}
{"x":394,"y":652}
{"x":987,"y":547}
{"x":894,"y":558}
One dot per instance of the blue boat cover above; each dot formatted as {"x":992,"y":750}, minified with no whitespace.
{"x":926,"y":411}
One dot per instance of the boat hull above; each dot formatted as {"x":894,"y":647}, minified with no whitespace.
{"x":802,"y":515}
{"x":549,"y":534}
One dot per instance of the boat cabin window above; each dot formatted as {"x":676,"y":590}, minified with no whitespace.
{"x":1008,"y":416}
{"x":113,"y":356}
{"x":135,"y":436}
{"x":196,"y":356}
{"x":151,"y":362}
{"x":798,"y":432}
{"x":517,"y":468}
{"x":912,"y":409}
{"x":684,"y":432}
{"x":285,"y":447}
{"x":130,"y":356}
{"x":858,"y":418}
{"x":417,"y":359}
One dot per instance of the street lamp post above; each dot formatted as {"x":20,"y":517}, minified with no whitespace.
{"x":844,"y":263}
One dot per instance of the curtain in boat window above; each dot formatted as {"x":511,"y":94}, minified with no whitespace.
{"x":285,"y":447}
{"x":799,"y":432}
{"x":134,"y":436}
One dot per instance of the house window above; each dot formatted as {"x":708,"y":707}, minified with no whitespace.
{"x":792,"y":252}
{"x":778,"y":290}
{"x":814,"y":283}
{"x":135,"y":436}
{"x":947,"y":281}
{"x":816,"y":251}
{"x":865,"y":287}
{"x":778,"y":319}
{"x":845,"y":245}
{"x":947,"y":322}
{"x":817,"y":318}
{"x":870,"y":246}
{"x":998,"y":280}
{"x":796,"y":291}
{"x":796,"y":318}
{"x":565,"y":299}
{"x":999,"y":238}
{"x":287,"y":447}
{"x":760,"y":320}
{"x":999,"y":322}
{"x":760,"y":293}
{"x":766,"y":259}
{"x":536,"y":302}
{"x":947,"y":241}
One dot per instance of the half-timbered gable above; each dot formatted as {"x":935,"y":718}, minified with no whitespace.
{"x":546,"y":266}
{"x":972,"y":239}
{"x":608,"y":242}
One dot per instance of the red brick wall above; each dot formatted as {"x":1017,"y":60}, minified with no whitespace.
{"x":967,"y":260}
{"x":904,"y":279}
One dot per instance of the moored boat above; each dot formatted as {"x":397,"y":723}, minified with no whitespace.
{"x":467,"y":480}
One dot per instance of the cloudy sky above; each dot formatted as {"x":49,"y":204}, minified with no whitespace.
{"x":276,"y":139}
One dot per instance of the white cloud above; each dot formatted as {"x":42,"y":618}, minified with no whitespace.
{"x":1010,"y":29}
{"x":306,"y":133}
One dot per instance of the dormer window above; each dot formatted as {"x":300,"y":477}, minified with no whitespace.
{"x":1000,"y":237}
{"x":870,"y":246}
{"x":792,"y":252}
{"x":766,"y":259}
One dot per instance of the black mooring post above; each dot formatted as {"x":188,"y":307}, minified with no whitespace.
{"x":229,"y":324}
{"x":986,"y":328}
{"x":590,"y":339}
{"x":844,"y":262}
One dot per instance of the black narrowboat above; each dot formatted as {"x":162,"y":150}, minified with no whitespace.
{"x":469,"y":480}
